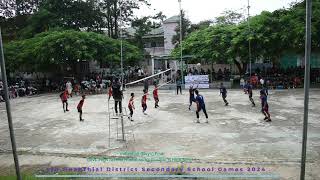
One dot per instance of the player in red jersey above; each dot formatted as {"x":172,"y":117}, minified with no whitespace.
{"x":144,"y":101}
{"x":156,"y":96}
{"x":79,"y":107}
{"x":110,"y":92}
{"x":64,"y":100}
{"x":131,"y":106}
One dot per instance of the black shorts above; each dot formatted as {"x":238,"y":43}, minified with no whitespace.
{"x":80,"y":110}
{"x":144,"y":106}
{"x":156,"y":98}
{"x":192,"y":99}
{"x":64,"y":101}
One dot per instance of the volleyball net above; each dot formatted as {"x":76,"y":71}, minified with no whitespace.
{"x":161,"y":79}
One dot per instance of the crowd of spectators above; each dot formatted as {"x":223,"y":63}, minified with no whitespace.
{"x":283,"y":78}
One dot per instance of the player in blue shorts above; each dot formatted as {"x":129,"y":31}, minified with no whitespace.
{"x":265,"y":106}
{"x":265,"y":89}
{"x":223,"y":92}
{"x":200,"y":106}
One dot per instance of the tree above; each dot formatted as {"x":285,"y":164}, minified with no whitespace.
{"x":52,"y":50}
{"x":78,"y":15}
{"x":144,"y":25}
{"x":271,"y":35}
{"x":200,"y":26}
{"x":229,"y":17}
{"x":12,"y":8}
{"x":185,"y":30}
{"x":111,"y":9}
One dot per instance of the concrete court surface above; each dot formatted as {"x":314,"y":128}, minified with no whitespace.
{"x":236,"y":135}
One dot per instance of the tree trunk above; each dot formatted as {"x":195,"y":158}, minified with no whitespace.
{"x":240,"y":66}
{"x":109,"y":19}
{"x":212,"y":71}
{"x":115,"y":16}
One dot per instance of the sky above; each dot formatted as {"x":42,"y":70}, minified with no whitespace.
{"x":199,"y":10}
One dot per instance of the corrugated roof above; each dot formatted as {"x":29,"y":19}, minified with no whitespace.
{"x":172,"y":19}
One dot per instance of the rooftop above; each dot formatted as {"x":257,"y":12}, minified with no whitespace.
{"x":173,"y":19}
{"x":156,"y":32}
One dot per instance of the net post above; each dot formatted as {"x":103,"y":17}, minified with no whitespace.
{"x":8,"y":107}
{"x":306,"y":88}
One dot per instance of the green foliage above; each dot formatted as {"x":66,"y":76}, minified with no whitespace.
{"x":76,"y":15}
{"x":185,"y":29}
{"x":271,"y":35}
{"x":229,"y":17}
{"x":143,"y":26}
{"x":50,"y":50}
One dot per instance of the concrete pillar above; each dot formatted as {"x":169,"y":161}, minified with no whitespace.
{"x":166,"y":64}
{"x":152,"y":65}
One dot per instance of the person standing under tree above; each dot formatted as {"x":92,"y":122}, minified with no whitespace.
{"x":64,"y":100}
{"x":117,"y":96}
{"x":223,"y":92}
{"x":179,"y":82}
{"x":79,"y":107}
{"x":69,"y":88}
{"x":200,"y":106}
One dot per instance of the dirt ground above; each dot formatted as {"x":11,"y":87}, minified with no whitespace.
{"x":236,"y":136}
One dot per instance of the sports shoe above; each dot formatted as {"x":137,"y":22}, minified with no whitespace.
{"x":269,"y":120}
{"x":265,"y":118}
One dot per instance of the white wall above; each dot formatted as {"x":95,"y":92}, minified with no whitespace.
{"x":169,"y":32}
{"x":156,"y":51}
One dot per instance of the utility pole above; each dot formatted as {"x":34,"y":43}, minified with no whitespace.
{"x":121,"y":43}
{"x":249,"y":37}
{"x":8,"y":107}
{"x":121,"y":58}
{"x":181,"y":62}
{"x":306,"y":87}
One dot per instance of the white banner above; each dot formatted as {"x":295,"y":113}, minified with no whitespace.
{"x":202,"y":81}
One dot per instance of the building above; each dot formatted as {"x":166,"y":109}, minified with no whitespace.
{"x":158,"y":43}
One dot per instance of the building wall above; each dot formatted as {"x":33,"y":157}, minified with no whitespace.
{"x":155,"y":51}
{"x":295,"y":60}
{"x":169,"y":32}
